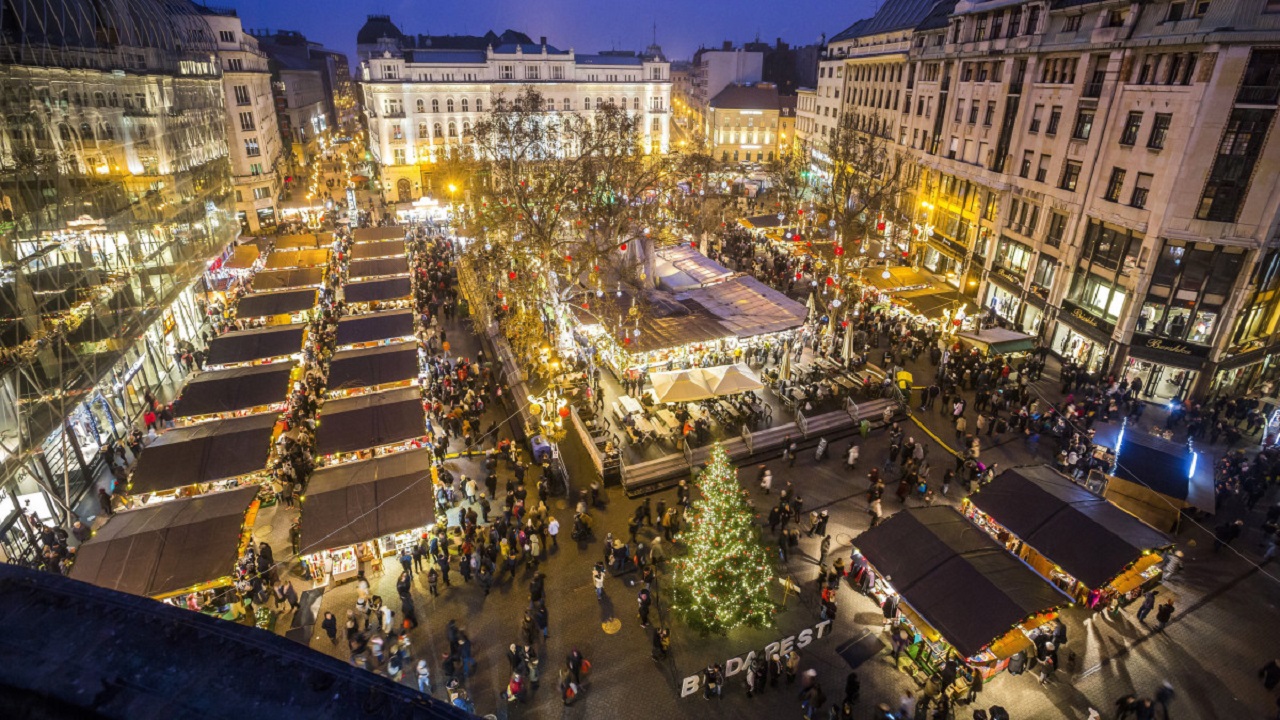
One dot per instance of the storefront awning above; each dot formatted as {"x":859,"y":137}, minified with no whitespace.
{"x":296,"y":259}
{"x":1000,"y":341}
{"x":385,"y":248}
{"x":256,"y":344}
{"x":378,"y":290}
{"x":959,"y":579}
{"x":375,"y":326}
{"x":221,"y":391}
{"x":215,"y":450}
{"x":360,"y":501}
{"x":276,"y":303}
{"x":284,"y":279}
{"x":378,"y":266}
{"x":901,"y":279}
{"x":161,"y":549}
{"x":1088,"y":537}
{"x":373,"y":366}
{"x":373,"y":234}
{"x":369,"y":421}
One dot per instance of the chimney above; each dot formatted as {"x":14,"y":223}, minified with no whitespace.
{"x":542,"y":40}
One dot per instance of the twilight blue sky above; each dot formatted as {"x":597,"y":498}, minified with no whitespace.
{"x":585,"y":25}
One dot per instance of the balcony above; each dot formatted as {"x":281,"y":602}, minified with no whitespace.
{"x":657,"y":111}
{"x":393,"y":114}
{"x":1258,"y":95}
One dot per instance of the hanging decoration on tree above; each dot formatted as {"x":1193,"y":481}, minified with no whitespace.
{"x":723,"y":581}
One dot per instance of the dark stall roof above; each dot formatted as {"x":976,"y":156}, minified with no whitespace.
{"x":374,"y":234}
{"x":368,"y":421}
{"x":255,"y":344}
{"x":296,"y":258}
{"x":360,"y":501}
{"x":166,"y":547}
{"x":375,"y":290}
{"x":1082,"y":533}
{"x":958,"y":578}
{"x":375,"y":326}
{"x":374,"y":366}
{"x":383,"y":248}
{"x":275,"y":303}
{"x":378,"y":266}
{"x":215,"y":450}
{"x":219,"y":391}
{"x":282,"y":279}
{"x":1159,"y":464}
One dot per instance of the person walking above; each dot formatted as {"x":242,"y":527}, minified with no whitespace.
{"x":644,"y":600}
{"x":1270,"y":674}
{"x":424,"y":677}
{"x":330,"y":625}
{"x":553,"y":529}
{"x":597,"y":577}
{"x":823,"y":549}
{"x":1048,"y":662}
{"x":661,"y":643}
{"x":1164,"y":614}
{"x":1148,"y":604}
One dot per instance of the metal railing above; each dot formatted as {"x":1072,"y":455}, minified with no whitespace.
{"x":748,"y":439}
{"x":802,"y":423}
{"x":688,"y":451}
{"x":851,"y":407}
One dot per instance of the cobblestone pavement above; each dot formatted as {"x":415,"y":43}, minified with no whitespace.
{"x":1225,"y":627}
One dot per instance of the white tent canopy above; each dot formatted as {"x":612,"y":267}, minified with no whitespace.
{"x":680,"y":386}
{"x":731,"y":379}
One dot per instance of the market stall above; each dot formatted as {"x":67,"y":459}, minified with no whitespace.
{"x":291,"y":303}
{"x":377,"y":291}
{"x":242,"y":258}
{"x":304,"y":241}
{"x":1088,"y":547}
{"x":199,"y":458}
{"x":374,"y":234}
{"x":259,"y":345}
{"x":681,"y":267}
{"x":386,"y":327}
{"x":379,"y":249}
{"x":747,"y":307}
{"x":377,"y":267}
{"x":177,"y":548}
{"x":219,"y":394}
{"x":361,"y":511}
{"x":370,"y":425}
{"x":1150,"y":477}
{"x":286,"y":279}
{"x":961,"y":594}
{"x":375,"y":368}
{"x":998,"y":341}
{"x":282,"y":259}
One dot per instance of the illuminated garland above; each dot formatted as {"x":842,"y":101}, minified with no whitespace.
{"x":723,"y":581}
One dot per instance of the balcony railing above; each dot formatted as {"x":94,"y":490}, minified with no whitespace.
{"x":393,"y":114}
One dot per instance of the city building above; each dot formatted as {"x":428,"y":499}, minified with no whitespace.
{"x":713,"y":70}
{"x":423,"y":101}
{"x":253,"y":134}
{"x":742,"y":123}
{"x":115,"y":187}
{"x":305,"y":78}
{"x":1097,"y":175}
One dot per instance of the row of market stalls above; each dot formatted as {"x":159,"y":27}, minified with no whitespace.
{"x":985,"y":585}
{"x":378,"y":273}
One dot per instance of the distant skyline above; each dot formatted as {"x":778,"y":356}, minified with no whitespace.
{"x":585,"y":25}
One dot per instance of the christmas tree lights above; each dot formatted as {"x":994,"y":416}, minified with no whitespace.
{"x":723,"y":580}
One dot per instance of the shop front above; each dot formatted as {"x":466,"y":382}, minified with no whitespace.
{"x":1245,"y":369}
{"x":1168,"y":369}
{"x":1032,"y":316}
{"x":1004,"y":296}
{"x":1081,"y":337}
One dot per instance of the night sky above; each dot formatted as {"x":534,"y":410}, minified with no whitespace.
{"x":585,"y":25}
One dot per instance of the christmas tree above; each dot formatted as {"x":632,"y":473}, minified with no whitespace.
{"x":722,"y":581}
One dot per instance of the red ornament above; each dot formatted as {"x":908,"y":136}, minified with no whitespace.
{"x":564,"y":412}
{"x":623,"y":247}
{"x":880,"y":226}
{"x":626,"y":341}
{"x":831,"y":281}
{"x":568,"y":258}
{"x":844,"y":323}
{"x":839,"y":251}
{"x":798,"y":275}
{"x":511,"y":275}
{"x":905,"y":253}
{"x":694,"y":244}
{"x":505,"y":307}
{"x":956,"y":323}
{"x":586,"y":306}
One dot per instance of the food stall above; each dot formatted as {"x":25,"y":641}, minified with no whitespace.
{"x":374,"y":234}
{"x":279,"y":307}
{"x":284,"y":259}
{"x":1151,"y":477}
{"x":377,"y":267}
{"x":374,"y":294}
{"x":303,"y":241}
{"x":378,"y":328}
{"x":1088,"y":547}
{"x":362,"y":511}
{"x":172,"y":550}
{"x":961,"y":595}
{"x":288,"y":279}
{"x":237,"y":392}
{"x":378,"y":249}
{"x":200,"y":458}
{"x":354,"y":372}
{"x":258,"y":346}
{"x":997,"y":341}
{"x":370,"y":425}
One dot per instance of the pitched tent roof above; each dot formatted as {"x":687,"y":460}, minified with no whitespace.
{"x":210,"y":451}
{"x":681,"y":267}
{"x":296,"y":258}
{"x":731,"y":379}
{"x":219,"y":391}
{"x":757,"y":96}
{"x":1079,"y":531}
{"x":378,"y":266}
{"x":392,"y":288}
{"x":163,"y":548}
{"x":284,"y":279}
{"x":374,"y":366}
{"x":276,"y":303}
{"x":681,"y":386}
{"x":375,"y":326}
{"x":382,"y":248}
{"x":256,"y":344}
{"x":746,"y":306}
{"x":959,"y":579}
{"x":368,"y":421}
{"x":360,"y":501}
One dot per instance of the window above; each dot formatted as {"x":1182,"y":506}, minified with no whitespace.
{"x":227,"y":36}
{"x":1033,"y":19}
{"x":235,"y":65}
{"x":1176,"y":11}
{"x":480,"y":104}
{"x":1201,"y":7}
{"x":1013,"y":256}
{"x":568,"y":105}
{"x":1025,"y":170}
{"x":980,"y":29}
{"x":242,"y":95}
{"x":959,"y":110}
{"x":1132,"y":124}
{"x":966,"y":72}
{"x":990,"y":114}
{"x":506,"y":72}
{"x":1036,"y":114}
{"x":255,"y":169}
{"x":1070,"y":175}
{"x":437,"y":130}
{"x":1141,"y":186}
{"x":453,"y":129}
{"x":1055,"y":116}
{"x":973,"y":112}
{"x":531,"y":72}
{"x":1042,"y":170}
{"x":1114,"y":185}
{"x":1159,"y":131}
{"x":557,"y":72}
{"x":398,"y":156}
{"x":1046,"y":270}
{"x":1072,"y":24}
{"x":1015,"y":22}
{"x":251,"y":147}
{"x":1238,"y":151}
{"x":246,"y":121}
{"x":397,"y":132}
{"x":1084,"y":125}
{"x":465,"y":107}
{"x":1057,"y":228}
{"x":586,"y":103}
{"x":448,"y":105}
{"x":1115,"y":18}
{"x":390,"y":72}
{"x":421,"y":105}
{"x":261,"y":193}
{"x":422,"y":131}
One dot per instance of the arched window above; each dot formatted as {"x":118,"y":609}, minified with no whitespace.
{"x":479,"y":105}
{"x":113,"y":100}
{"x":437,"y":131}
{"x":448,"y":105}
{"x":64,"y":132}
{"x":86,"y":131}
{"x":422,"y":131}
{"x":464,"y":105}
{"x":567,"y":105}
{"x":99,"y":99}
{"x":453,"y":129}
{"x":599,"y":103}
{"x":422,"y":105}
{"x":466,"y":127}
{"x":610,"y":101}
{"x":435,"y":105}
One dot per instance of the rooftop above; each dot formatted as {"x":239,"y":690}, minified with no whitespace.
{"x":757,"y":96}
{"x":893,"y":15}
